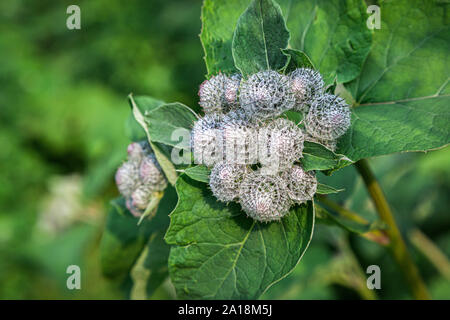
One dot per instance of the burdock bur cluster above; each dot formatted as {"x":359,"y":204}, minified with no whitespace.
{"x":254,"y":152}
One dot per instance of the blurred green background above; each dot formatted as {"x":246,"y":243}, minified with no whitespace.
{"x":63,"y":110}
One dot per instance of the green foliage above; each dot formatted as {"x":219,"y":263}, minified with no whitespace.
{"x":124,"y":240}
{"x":318,"y":157}
{"x":167,"y":119}
{"x":219,"y":19}
{"x":199,"y":173}
{"x":259,"y":36}
{"x":62,"y":113}
{"x":333,"y":34}
{"x":398,"y":108}
{"x":217,"y":252}
{"x":296,"y":59}
{"x":221,"y":254}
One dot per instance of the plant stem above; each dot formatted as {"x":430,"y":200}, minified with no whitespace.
{"x":378,"y":236}
{"x":397,"y":245}
{"x":431,"y":251}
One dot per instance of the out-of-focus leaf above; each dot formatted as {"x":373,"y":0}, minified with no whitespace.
{"x":123,"y":240}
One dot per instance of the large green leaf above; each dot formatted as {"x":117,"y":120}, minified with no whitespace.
{"x":416,"y":125}
{"x":402,"y":95}
{"x":219,"y":253}
{"x":333,"y":33}
{"x":219,"y":19}
{"x":260,"y":35}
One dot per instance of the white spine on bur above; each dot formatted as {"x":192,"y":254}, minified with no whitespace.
{"x":220,"y":93}
{"x":211,"y":92}
{"x":240,"y":141}
{"x":305,"y":85}
{"x":328,"y":118}
{"x":264,"y":197}
{"x":231,"y":93}
{"x":301,"y":185}
{"x":280,"y":143}
{"x":225,"y":180}
{"x":266,"y":94}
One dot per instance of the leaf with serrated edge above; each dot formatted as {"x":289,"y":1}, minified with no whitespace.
{"x":219,"y":253}
{"x":402,"y":95}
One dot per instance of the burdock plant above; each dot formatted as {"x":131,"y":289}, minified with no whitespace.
{"x":293,"y":93}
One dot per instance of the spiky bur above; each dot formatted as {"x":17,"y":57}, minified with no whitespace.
{"x":301,"y":185}
{"x":151,"y":174}
{"x":207,"y":140}
{"x":220,"y":93}
{"x":127,"y":178}
{"x":328,"y":118}
{"x":305,"y":84}
{"x":141,"y":197}
{"x":136,"y":150}
{"x":280,"y":144}
{"x":240,"y":141}
{"x":225,"y":180}
{"x":139,"y":177}
{"x":266,"y":94}
{"x":231,"y":93}
{"x":264,"y":197}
